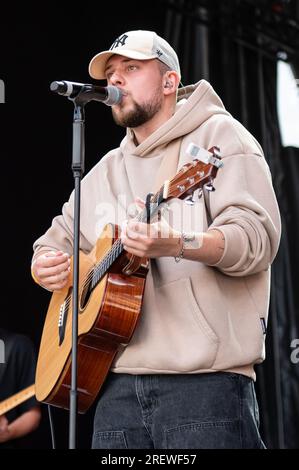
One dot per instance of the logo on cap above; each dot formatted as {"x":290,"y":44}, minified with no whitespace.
{"x":120,"y":41}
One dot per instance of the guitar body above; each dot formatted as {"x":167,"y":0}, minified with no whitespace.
{"x":108,"y":315}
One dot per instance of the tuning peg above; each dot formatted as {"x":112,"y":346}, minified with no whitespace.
{"x":209,"y":187}
{"x":190,"y":201}
{"x":199,"y":193}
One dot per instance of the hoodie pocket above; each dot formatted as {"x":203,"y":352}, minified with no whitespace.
{"x":190,"y":342}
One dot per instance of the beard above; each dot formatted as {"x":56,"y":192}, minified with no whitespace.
{"x":140,"y":114}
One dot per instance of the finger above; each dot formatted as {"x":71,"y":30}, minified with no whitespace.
{"x":132,"y":234}
{"x":140,"y":202}
{"x":138,"y":227}
{"x":54,"y":253}
{"x":134,"y":244}
{"x":57,"y":279}
{"x":56,"y":287}
{"x":50,"y":260}
{"x":43,"y":272}
{"x":135,"y":252}
{"x":135,"y":238}
{"x":124,"y":230}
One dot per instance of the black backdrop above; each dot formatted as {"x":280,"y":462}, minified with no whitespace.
{"x":36,"y":129}
{"x":39,"y":45}
{"x":56,"y":42}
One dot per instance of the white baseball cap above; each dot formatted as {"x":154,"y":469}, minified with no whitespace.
{"x":140,"y":45}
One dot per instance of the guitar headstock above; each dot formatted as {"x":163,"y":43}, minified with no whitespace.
{"x":194,"y":175}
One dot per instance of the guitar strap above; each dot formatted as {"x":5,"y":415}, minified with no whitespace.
{"x":206,"y":195}
{"x":169,"y":165}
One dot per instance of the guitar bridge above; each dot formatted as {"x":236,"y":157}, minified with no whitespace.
{"x":63,"y":314}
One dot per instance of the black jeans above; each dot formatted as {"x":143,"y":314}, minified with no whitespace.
{"x":186,"y":411}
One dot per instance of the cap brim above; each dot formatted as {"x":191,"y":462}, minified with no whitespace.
{"x":97,"y":64}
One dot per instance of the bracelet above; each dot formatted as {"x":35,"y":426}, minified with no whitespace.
{"x":181,"y":253}
{"x":185,"y":237}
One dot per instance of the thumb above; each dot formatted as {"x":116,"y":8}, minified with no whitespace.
{"x":140,"y":202}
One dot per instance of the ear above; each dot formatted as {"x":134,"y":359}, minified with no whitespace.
{"x":170,"y":82}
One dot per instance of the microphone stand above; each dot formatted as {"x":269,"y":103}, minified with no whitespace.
{"x":78,"y":160}
{"x":80,"y":95}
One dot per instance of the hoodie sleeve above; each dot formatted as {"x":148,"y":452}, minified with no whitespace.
{"x":60,"y":235}
{"x":244,"y":208}
{"x":94,"y":189}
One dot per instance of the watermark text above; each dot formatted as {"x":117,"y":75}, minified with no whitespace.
{"x":2,"y":351}
{"x":295,"y":353}
{"x":2,"y":91}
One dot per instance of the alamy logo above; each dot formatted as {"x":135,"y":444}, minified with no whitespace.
{"x":121,"y":41}
{"x":295,"y":353}
{"x":2,"y":351}
{"x":2,"y":92}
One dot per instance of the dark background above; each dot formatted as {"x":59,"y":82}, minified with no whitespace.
{"x":232,"y":44}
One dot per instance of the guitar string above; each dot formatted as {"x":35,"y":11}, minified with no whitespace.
{"x":117,"y":245}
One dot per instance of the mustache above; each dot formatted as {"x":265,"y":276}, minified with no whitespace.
{"x":124,"y":92}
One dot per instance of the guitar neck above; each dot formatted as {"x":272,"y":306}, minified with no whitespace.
{"x":191,"y":176}
{"x":17,"y":399}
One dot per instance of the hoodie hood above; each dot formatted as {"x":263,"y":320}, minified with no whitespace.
{"x":195,"y":105}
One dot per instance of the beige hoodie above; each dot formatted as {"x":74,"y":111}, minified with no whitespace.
{"x":195,"y":318}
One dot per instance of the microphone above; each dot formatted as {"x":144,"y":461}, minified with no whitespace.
{"x":108,"y":95}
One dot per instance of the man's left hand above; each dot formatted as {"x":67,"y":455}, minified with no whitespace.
{"x":150,"y":240}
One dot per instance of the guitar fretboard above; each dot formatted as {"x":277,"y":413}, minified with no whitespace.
{"x":16,"y":399}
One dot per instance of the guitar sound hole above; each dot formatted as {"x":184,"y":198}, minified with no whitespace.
{"x":86,"y":293}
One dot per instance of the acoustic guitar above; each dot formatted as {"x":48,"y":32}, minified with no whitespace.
{"x":16,"y":399}
{"x":111,"y":287}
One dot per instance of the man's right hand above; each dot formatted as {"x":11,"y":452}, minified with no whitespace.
{"x":52,"y":269}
